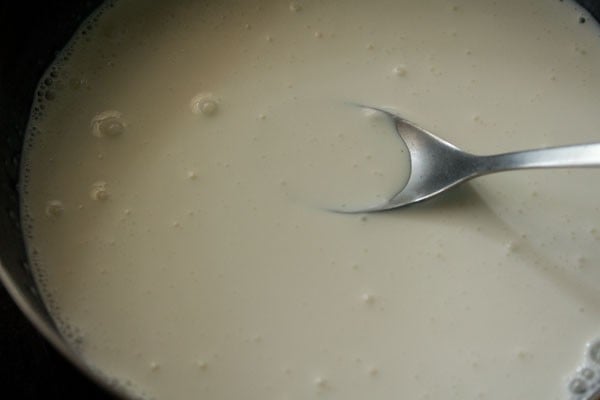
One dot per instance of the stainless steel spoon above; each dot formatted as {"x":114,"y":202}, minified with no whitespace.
{"x":436,"y":165}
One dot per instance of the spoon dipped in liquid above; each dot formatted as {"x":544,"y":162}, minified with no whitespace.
{"x":437,"y":165}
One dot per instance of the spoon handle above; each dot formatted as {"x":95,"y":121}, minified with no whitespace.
{"x":574,"y":156}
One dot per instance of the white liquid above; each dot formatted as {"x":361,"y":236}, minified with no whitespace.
{"x":175,"y":189}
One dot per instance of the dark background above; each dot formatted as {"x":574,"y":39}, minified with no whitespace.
{"x":30,"y":368}
{"x":31,"y":31}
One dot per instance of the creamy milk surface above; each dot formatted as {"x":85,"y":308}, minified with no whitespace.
{"x":182,"y":157}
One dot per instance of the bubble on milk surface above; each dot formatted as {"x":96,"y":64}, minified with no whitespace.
{"x":54,"y":208}
{"x":585,"y":383}
{"x":295,"y":6}
{"x":368,"y":299}
{"x":99,"y":191}
{"x":108,"y":123}
{"x":400,"y":70}
{"x":204,"y":103}
{"x":578,"y":386}
{"x":321,"y":383}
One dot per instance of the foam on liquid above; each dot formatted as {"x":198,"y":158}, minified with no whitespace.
{"x":181,"y":155}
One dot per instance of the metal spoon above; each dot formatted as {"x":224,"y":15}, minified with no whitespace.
{"x":436,"y":165}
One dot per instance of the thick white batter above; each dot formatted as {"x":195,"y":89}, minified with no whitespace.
{"x":176,"y":179}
